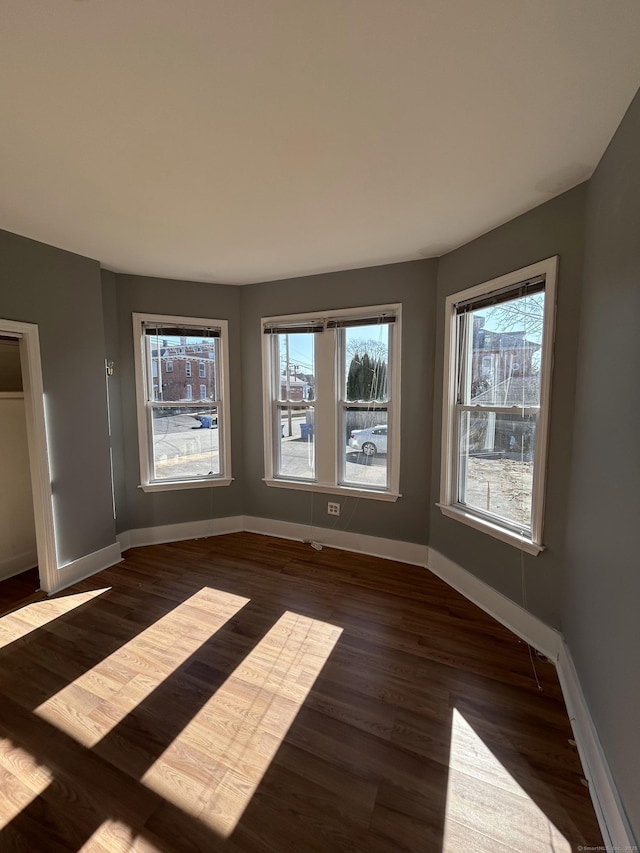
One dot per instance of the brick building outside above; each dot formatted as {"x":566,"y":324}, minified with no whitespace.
{"x":184,"y":371}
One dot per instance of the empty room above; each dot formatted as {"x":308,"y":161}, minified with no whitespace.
{"x":318,"y":426}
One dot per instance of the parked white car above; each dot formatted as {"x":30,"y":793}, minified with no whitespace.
{"x":369,"y":441}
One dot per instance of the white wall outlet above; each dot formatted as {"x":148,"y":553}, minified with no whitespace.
{"x":333,"y":508}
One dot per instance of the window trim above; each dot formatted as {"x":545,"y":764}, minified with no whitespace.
{"x":448,"y":489}
{"x":147,"y":483}
{"x":328,"y":464}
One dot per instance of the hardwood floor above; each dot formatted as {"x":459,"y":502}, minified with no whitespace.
{"x":246,"y":693}
{"x":20,"y":589}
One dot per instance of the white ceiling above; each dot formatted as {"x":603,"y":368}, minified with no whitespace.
{"x":246,"y":140}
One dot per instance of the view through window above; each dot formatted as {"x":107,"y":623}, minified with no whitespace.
{"x":499,"y":401}
{"x":497,"y":372}
{"x":181,"y":421}
{"x":364,"y":403}
{"x":330,"y":384}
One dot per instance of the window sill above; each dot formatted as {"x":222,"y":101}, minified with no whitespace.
{"x":174,"y":485}
{"x":494,"y":530}
{"x":331,"y":489}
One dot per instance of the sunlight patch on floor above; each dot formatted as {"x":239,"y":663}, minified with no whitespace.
{"x":94,"y":704}
{"x":20,"y":623}
{"x":22,"y":779}
{"x":224,"y":752}
{"x":112,"y":836}
{"x":486,"y":808}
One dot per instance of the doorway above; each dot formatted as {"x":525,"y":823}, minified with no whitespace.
{"x":19,"y":576}
{"x":25,"y":400}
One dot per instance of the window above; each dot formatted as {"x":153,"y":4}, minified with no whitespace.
{"x":187,"y":369}
{"x":184,"y":443}
{"x":332,"y":401}
{"x":202,"y":370}
{"x":498,"y":353}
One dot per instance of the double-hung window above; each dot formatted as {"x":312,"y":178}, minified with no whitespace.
{"x":498,"y":357}
{"x":183,"y":437}
{"x":332,"y":401}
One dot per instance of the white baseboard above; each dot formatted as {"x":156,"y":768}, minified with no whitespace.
{"x":390,"y":549}
{"x":86,"y":566}
{"x":375,"y":546}
{"x":17,"y":564}
{"x":177,"y":532}
{"x":615,"y":828}
{"x":514,"y":617}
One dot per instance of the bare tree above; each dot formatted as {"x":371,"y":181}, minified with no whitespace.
{"x":525,"y":314}
{"x":375,"y":348}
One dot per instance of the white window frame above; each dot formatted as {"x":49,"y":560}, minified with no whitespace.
{"x":329,"y":443}
{"x":143,"y":382}
{"x":202,"y":368}
{"x":532,"y":543}
{"x":187,"y":369}
{"x":203,"y":396}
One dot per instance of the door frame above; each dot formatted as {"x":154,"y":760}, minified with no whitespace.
{"x":34,"y":406}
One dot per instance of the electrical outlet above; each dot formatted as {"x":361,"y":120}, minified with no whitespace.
{"x":333,"y":508}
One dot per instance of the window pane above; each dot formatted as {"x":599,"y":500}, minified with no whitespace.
{"x":366,"y":362}
{"x":365,"y":460}
{"x":496,"y":464}
{"x":296,"y":436}
{"x":172,"y":366}
{"x":506,"y":346}
{"x":296,"y":367}
{"x":185,"y":442}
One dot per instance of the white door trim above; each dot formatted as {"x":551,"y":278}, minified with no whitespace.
{"x":31,"y":364}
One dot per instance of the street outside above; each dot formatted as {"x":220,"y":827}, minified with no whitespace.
{"x":297,"y":459}
{"x":182,"y":448}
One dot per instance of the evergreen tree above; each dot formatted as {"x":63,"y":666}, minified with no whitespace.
{"x":354,"y":378}
{"x":379,"y":386}
{"x":367,"y":378}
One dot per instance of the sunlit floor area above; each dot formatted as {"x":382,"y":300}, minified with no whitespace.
{"x":246,"y":693}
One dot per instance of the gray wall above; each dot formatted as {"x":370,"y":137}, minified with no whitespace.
{"x":114,"y":389}
{"x":602,"y":583}
{"x":554,"y":228}
{"x":412,"y":284}
{"x":61,"y":293}
{"x":135,"y":508}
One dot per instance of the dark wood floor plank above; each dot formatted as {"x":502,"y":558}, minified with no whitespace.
{"x":20,"y":590}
